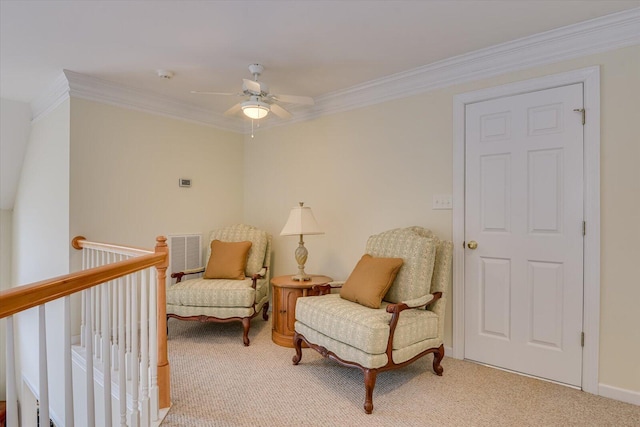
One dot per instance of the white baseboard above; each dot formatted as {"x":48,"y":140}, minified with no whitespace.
{"x":621,"y":394}
{"x":448,"y":351}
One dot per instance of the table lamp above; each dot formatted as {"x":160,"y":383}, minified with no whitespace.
{"x":301,"y":221}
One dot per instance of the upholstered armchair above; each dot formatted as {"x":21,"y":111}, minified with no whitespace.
{"x":235,"y":285}
{"x":408,"y":322}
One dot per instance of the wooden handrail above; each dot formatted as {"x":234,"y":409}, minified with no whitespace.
{"x":15,"y":300}
{"x":80,"y":242}
{"x":20,"y":298}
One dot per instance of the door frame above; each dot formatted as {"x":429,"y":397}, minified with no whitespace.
{"x":590,"y":78}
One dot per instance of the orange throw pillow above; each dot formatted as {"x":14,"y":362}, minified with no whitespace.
{"x":370,"y":280}
{"x":228,"y":260}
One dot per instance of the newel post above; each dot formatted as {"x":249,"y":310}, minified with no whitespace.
{"x":164,"y":386}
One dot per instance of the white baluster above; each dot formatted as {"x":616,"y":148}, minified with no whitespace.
{"x":68,"y":383}
{"x":12,"y":395}
{"x":134,"y":350}
{"x":122,"y":378}
{"x":83,"y":311}
{"x":144,"y":349}
{"x":129,"y":325}
{"x":153,"y":345}
{"x":89,"y":364}
{"x":91,"y":313}
{"x":43,"y":375}
{"x":114,"y":324}
{"x":106,"y":355}
{"x":98,"y":313}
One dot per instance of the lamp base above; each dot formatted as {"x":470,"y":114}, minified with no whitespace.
{"x":301,"y":277}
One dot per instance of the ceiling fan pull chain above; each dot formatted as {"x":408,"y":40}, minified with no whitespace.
{"x":251,"y":128}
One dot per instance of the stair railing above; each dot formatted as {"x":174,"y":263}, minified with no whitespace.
{"x":123,"y":331}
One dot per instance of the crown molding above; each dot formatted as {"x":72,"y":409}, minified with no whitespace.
{"x":49,"y":100}
{"x":95,"y":89}
{"x":585,"y":38}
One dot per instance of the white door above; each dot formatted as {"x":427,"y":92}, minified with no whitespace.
{"x":524,"y":208}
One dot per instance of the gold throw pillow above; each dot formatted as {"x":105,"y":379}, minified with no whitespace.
{"x":370,"y":280}
{"x":228,"y":260}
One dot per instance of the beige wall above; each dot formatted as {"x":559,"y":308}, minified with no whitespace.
{"x":378,"y":167}
{"x":362,"y":172}
{"x":125,"y":167}
{"x":111,"y":174}
{"x":40,"y":244}
{"x":6,"y":216}
{"x":5,"y":283}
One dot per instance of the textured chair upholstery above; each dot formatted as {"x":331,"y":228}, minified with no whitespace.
{"x":409,"y":323}
{"x":226,"y":300}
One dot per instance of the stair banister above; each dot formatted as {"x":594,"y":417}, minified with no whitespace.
{"x":100,"y":293}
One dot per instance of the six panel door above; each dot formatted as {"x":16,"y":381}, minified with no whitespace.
{"x":524,"y":208}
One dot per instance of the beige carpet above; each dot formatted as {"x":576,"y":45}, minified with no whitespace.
{"x":216,"y":381}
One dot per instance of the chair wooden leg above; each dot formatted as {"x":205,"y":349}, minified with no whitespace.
{"x":265,"y":311}
{"x":369,"y":384}
{"x":297,"y":344}
{"x":246,"y":323}
{"x":437,"y":358}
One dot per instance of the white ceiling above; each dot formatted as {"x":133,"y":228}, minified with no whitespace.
{"x":308,"y":47}
{"x":313,"y":48}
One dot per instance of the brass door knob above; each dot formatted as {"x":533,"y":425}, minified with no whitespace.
{"x":472,"y":244}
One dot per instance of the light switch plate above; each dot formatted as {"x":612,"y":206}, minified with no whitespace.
{"x":442,"y":201}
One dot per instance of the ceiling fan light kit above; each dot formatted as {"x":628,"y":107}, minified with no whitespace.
{"x":261,"y":102}
{"x":254,"y":108}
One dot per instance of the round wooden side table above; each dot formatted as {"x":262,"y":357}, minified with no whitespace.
{"x":285,"y":293}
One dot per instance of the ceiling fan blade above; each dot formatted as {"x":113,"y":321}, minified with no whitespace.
{"x":233,"y":110}
{"x":304,"y":100}
{"x":217,"y":93}
{"x":254,"y":86}
{"x":280,"y":112}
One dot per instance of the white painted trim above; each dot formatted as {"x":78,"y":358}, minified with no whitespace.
{"x":458,"y":226}
{"x":31,"y":389}
{"x":591,"y":304}
{"x":585,"y":38}
{"x":621,"y":394}
{"x":80,"y":361}
{"x":590,"y":77}
{"x":49,"y":100}
{"x":448,"y":351}
{"x":94,"y":89}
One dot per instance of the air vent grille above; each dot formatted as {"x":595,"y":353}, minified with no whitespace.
{"x":185,"y":253}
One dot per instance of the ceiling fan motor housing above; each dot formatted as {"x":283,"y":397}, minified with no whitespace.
{"x":256,"y":69}
{"x":264,"y":89}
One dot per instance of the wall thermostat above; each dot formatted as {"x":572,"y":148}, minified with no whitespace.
{"x":183,"y":182}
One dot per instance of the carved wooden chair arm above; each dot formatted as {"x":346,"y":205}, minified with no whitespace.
{"x":326,"y":288}
{"x":259,"y":275}
{"x":180,"y":274}
{"x":395,"y":309}
{"x":414,"y":303}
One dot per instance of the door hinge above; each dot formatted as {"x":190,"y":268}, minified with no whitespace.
{"x":584,"y":228}
{"x":584,"y":114}
{"x":581,"y":339}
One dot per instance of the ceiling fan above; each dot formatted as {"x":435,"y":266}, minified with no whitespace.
{"x":260,"y":102}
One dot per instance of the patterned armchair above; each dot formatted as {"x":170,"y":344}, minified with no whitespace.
{"x":226,"y":300}
{"x":409,"y":323}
